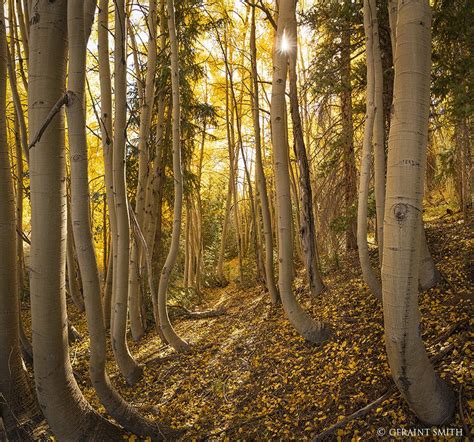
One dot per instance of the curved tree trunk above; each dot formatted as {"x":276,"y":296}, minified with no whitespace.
{"x":366,"y":160}
{"x":311,"y":330}
{"x":127,"y":365}
{"x":18,"y":404}
{"x":167,"y":329}
{"x":427,"y":395}
{"x":307,"y":225}
{"x":114,"y":404}
{"x":68,"y":413}
{"x":261,"y":181}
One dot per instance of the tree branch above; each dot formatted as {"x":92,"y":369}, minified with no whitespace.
{"x":52,"y":113}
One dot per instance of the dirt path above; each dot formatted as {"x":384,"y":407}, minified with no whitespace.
{"x":250,"y":376}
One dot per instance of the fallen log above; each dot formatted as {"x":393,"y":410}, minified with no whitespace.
{"x":180,"y":311}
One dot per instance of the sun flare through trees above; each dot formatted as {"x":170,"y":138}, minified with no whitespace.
{"x":236,"y":220}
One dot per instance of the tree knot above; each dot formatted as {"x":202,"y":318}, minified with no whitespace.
{"x":400,"y":211}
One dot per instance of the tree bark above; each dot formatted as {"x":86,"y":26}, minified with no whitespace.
{"x":137,"y":324}
{"x":68,"y":413}
{"x":113,"y":402}
{"x":72,"y":274}
{"x":167,"y":329}
{"x":261,"y":180}
{"x":379,"y":132}
{"x":127,"y":365}
{"x":311,"y":330}
{"x":366,"y":160}
{"x":428,"y":274}
{"x":18,"y":405}
{"x":307,"y":225}
{"x":106,"y":130}
{"x":350,"y":172}
{"x":427,"y":395}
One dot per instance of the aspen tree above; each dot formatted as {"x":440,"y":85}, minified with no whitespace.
{"x":261,"y":180}
{"x":311,"y":330}
{"x":167,"y":329}
{"x":307,"y":228}
{"x":106,"y":129}
{"x":113,"y":402}
{"x":366,"y":160}
{"x":127,"y":365}
{"x":137,"y":325}
{"x":428,"y":275}
{"x":18,"y":404}
{"x":428,"y":396}
{"x":67,"y":412}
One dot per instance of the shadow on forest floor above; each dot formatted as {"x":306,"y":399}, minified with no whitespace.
{"x":250,"y":376}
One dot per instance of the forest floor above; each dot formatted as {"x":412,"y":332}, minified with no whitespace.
{"x":250,"y":376}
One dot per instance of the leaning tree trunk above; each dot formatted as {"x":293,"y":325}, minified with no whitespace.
{"x":307,"y":224}
{"x":127,"y":365}
{"x":68,"y":413}
{"x":167,"y":329}
{"x":18,"y":404}
{"x":261,"y":180}
{"x":366,"y":160}
{"x":311,"y":330}
{"x":80,"y":205}
{"x":427,"y":395}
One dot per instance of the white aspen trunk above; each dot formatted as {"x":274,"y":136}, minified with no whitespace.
{"x":311,"y":330}
{"x":225,"y":226}
{"x":120,"y":410}
{"x":108,"y":287}
{"x":428,"y":275}
{"x":18,"y":404}
{"x":67,"y":412}
{"x":107,"y":136}
{"x":428,"y":396}
{"x":72,"y":274}
{"x":297,"y":225}
{"x":17,"y":103}
{"x":167,"y":329}
{"x":366,"y":160}
{"x":24,"y":31}
{"x":127,"y":365}
{"x":137,"y":325}
{"x":234,"y":170}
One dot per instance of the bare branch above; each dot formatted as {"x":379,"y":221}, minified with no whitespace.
{"x":52,"y":113}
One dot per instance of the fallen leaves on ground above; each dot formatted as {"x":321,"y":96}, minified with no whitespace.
{"x":250,"y":376}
